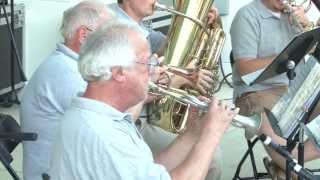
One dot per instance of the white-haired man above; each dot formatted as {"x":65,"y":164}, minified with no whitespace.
{"x":133,"y":12}
{"x":54,"y":83}
{"x":98,"y":140}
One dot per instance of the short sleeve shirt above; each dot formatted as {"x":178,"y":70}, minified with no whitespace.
{"x":98,"y":142}
{"x":156,"y":38}
{"x":256,"y":32}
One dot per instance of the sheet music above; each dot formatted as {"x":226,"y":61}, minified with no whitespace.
{"x":249,"y":78}
{"x":302,"y":90}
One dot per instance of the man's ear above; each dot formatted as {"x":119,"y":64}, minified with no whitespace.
{"x":82,"y":33}
{"x":118,"y":74}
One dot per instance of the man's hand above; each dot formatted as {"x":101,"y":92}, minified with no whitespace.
{"x":203,"y":81}
{"x":159,"y":74}
{"x":194,"y":124}
{"x":299,"y":13}
{"x":213,"y":15}
{"x":218,"y":117}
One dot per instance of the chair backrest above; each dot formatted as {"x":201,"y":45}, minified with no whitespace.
{"x":45,"y":176}
{"x":8,"y":125}
{"x":231,"y":59}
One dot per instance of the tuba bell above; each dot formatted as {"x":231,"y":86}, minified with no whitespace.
{"x":193,"y":44}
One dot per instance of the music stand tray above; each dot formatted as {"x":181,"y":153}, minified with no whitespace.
{"x":298,"y":47}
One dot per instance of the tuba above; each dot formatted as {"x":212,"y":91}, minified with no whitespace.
{"x":191,"y":42}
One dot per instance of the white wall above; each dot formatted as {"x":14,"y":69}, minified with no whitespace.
{"x":42,"y":23}
{"x":43,"y":20}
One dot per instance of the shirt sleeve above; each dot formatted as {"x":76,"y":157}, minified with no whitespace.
{"x":244,"y":35}
{"x":156,"y":40}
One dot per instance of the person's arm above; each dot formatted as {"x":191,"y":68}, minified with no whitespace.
{"x":301,"y":17}
{"x":245,"y":38}
{"x":186,"y":140}
{"x":249,"y":65}
{"x":189,"y":156}
{"x":201,"y":79}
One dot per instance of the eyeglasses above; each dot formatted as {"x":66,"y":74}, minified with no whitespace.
{"x":152,"y":64}
{"x":89,"y":28}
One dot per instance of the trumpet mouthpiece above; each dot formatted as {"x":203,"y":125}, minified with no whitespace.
{"x":160,"y":7}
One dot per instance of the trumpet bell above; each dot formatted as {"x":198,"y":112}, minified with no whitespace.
{"x":251,"y":124}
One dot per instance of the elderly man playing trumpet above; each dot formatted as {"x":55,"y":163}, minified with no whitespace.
{"x":99,"y":140}
{"x":132,"y":12}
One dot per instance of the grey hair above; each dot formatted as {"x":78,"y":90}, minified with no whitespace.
{"x":85,"y":13}
{"x":107,"y":47}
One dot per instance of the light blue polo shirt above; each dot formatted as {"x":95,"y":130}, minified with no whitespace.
{"x":155,"y":38}
{"x":98,"y":142}
{"x":45,"y":99}
{"x":256,"y":32}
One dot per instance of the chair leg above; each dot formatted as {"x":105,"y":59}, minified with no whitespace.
{"x":256,"y":174}
{"x":252,"y":159}
{"x":5,"y":159}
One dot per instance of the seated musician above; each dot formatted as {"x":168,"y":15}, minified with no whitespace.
{"x":259,"y":31}
{"x":133,"y":12}
{"x":99,"y":140}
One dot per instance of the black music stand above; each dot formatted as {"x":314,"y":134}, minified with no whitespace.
{"x":316,"y":53}
{"x":286,"y":62}
{"x":290,"y":56}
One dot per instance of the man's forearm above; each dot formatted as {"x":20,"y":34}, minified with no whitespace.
{"x":246,"y":66}
{"x":177,"y":150}
{"x":178,"y":81}
{"x":197,"y":162}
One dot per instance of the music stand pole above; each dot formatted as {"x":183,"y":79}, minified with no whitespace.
{"x":301,"y":146}
{"x":292,"y":163}
{"x":297,"y":135}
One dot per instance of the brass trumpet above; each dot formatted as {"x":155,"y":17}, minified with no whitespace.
{"x":250,"y":124}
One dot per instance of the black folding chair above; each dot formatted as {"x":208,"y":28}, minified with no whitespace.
{"x":10,"y":137}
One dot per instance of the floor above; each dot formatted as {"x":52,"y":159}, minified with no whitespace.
{"x":233,"y":147}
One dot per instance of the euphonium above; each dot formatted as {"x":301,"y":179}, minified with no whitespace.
{"x":191,"y":41}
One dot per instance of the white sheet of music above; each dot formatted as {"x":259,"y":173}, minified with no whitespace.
{"x":303,"y":89}
{"x":249,"y":78}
